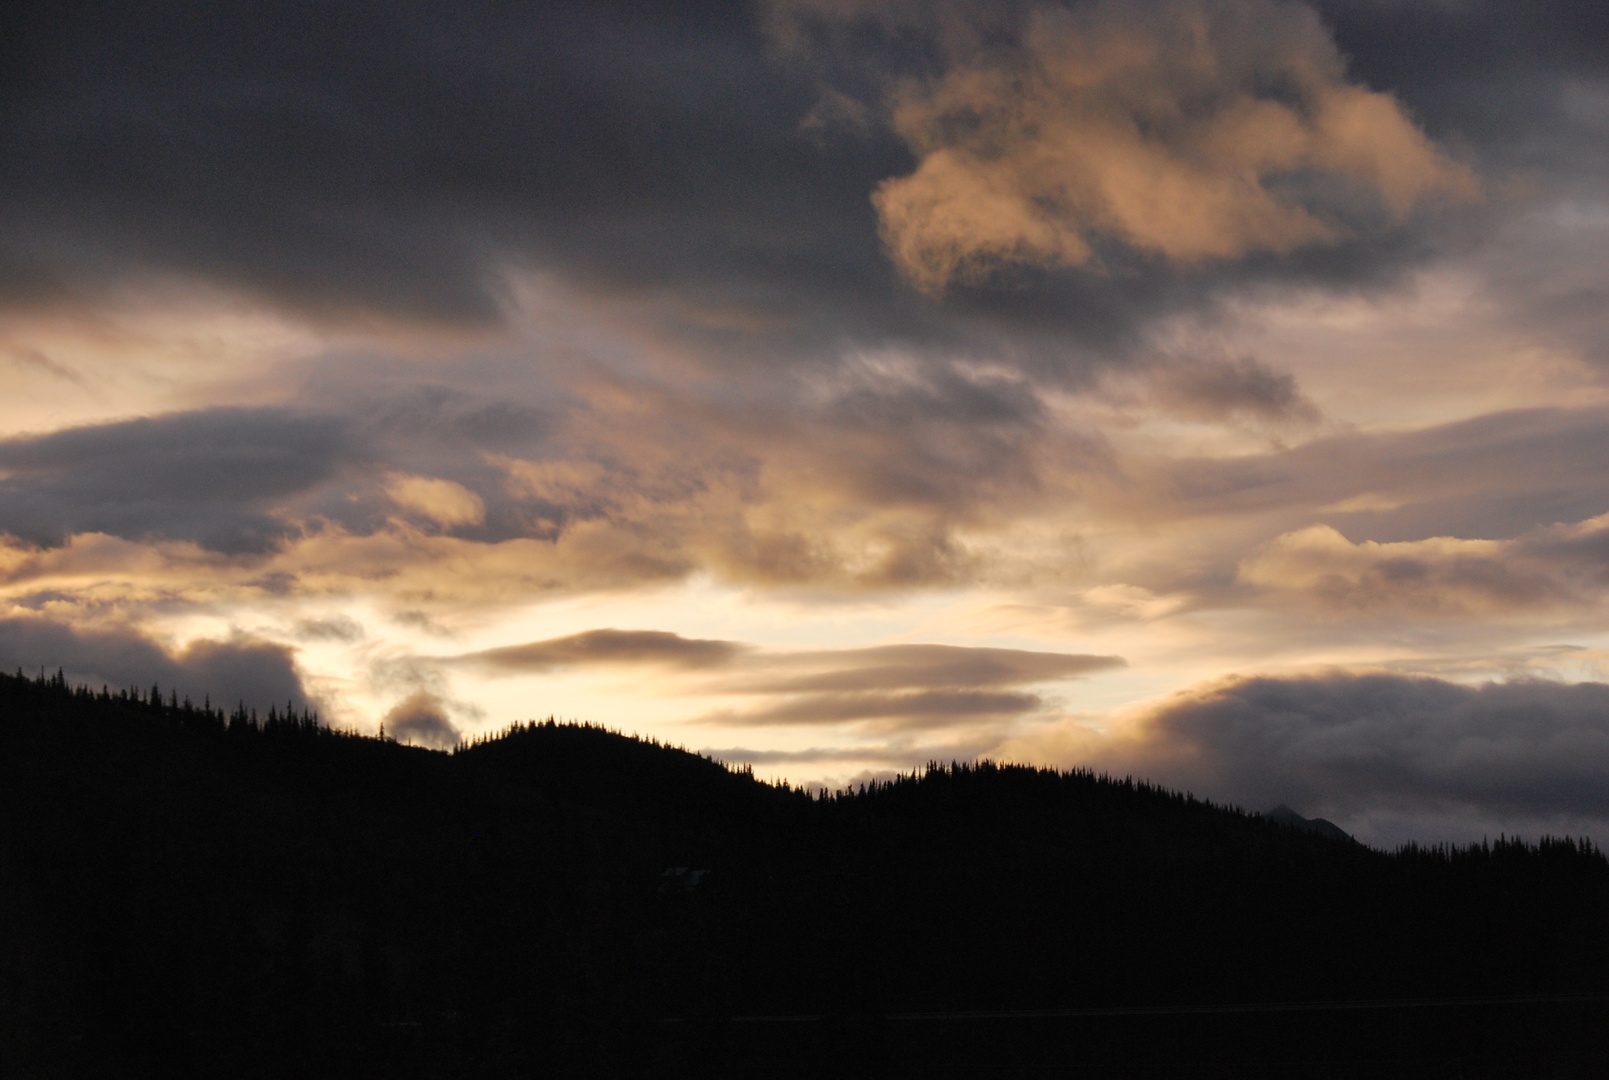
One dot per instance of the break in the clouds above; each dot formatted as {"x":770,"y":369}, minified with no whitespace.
{"x":399,"y":351}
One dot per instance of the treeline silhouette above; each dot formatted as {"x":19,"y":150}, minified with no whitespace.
{"x":190,"y":891}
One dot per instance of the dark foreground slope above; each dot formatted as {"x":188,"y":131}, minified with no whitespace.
{"x":182,"y":895}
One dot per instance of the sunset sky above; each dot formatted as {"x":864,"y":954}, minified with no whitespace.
{"x":1210,"y":390}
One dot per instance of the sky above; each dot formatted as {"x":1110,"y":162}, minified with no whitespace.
{"x":1211,"y":391}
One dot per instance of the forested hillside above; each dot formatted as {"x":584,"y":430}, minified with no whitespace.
{"x":191,"y":893}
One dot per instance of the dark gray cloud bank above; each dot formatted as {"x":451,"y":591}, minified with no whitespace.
{"x":1389,"y":757}
{"x":392,"y":161}
{"x":258,"y":673}
{"x":422,"y":719}
{"x":390,"y":157}
{"x":205,"y":476}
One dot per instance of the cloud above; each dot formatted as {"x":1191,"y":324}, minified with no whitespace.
{"x":421,"y":720}
{"x":1549,"y":570}
{"x":210,"y":476}
{"x":259,"y":673}
{"x":407,"y":174}
{"x":1439,"y":576}
{"x":1193,"y":129}
{"x":908,"y":667}
{"x":1220,"y":390}
{"x":1386,"y":749}
{"x":36,"y":360}
{"x":442,"y":501}
{"x":897,"y":754}
{"x":335,"y":628}
{"x":1511,"y":114}
{"x":895,"y":687}
{"x":606,"y":647}
{"x":396,"y":171}
{"x":891,"y":686}
{"x":1492,"y":476}
{"x":923,"y":709}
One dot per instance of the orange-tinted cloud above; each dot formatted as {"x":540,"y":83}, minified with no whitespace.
{"x":606,"y":647}
{"x":898,"y":687}
{"x":1189,"y":129}
{"x":1551,"y":570}
{"x":889,"y":686}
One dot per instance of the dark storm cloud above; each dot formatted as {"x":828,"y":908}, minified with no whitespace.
{"x":208,"y":476}
{"x":395,"y":158}
{"x":1488,"y":73}
{"x":258,"y":673}
{"x":1349,"y":745}
{"x":607,"y":647}
{"x":385,"y":156}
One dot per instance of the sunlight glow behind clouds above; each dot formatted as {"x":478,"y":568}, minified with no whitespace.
{"x":1222,"y":369}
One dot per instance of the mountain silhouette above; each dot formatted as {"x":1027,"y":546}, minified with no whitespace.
{"x":185,"y":892}
{"x":1284,"y":815}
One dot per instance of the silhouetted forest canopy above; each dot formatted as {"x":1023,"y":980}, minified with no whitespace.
{"x":190,"y":890}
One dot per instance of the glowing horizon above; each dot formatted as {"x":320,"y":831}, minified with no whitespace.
{"x":1214,"y":390}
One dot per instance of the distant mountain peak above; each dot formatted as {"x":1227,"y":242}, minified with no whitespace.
{"x":1284,"y":815}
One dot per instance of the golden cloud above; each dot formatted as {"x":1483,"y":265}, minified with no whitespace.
{"x":1441,"y":575}
{"x":442,"y":501}
{"x":1187,"y":129}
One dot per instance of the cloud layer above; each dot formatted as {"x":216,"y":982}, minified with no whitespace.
{"x":1368,"y":749}
{"x":257,"y":673}
{"x":884,"y":687}
{"x":206,"y":476}
{"x":1192,"y":130}
{"x":419,"y":352}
